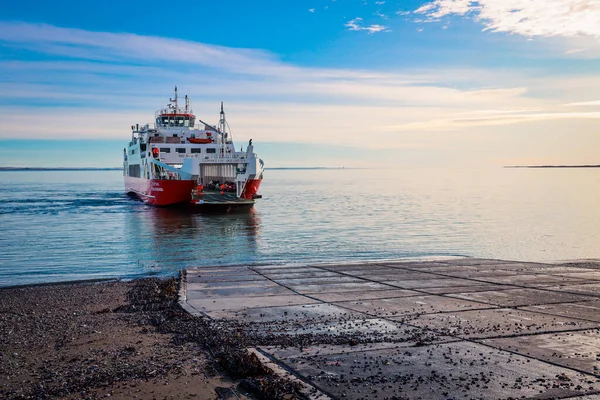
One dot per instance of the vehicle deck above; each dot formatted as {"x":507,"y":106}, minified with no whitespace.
{"x":212,"y":197}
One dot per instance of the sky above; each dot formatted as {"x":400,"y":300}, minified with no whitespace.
{"x":353,"y":83}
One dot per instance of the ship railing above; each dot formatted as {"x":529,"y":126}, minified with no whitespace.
{"x":235,"y":157}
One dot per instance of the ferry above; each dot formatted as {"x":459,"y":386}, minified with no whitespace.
{"x":182,"y":160}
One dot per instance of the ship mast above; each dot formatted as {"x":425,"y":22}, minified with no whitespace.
{"x":223,"y":129}
{"x":175,"y":101}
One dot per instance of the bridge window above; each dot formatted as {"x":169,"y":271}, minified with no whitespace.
{"x":180,"y":149}
{"x":134,"y":170}
{"x":165,"y":150}
{"x":196,"y":151}
{"x":211,"y":150}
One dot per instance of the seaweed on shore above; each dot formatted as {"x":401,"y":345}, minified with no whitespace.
{"x":156,"y":303}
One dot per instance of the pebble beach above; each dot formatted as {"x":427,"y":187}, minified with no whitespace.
{"x":114,"y":339}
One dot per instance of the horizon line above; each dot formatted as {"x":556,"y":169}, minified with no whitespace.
{"x":16,"y":169}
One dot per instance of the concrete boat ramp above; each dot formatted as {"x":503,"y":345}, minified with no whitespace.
{"x":450,"y":329}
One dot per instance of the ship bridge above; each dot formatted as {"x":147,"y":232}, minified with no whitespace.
{"x":172,"y":120}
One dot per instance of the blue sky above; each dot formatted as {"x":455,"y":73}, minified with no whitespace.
{"x":315,"y":82}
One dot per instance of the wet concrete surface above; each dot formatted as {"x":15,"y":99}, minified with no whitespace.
{"x":449,"y":329}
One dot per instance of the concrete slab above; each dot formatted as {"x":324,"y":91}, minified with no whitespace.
{"x":520,"y":297}
{"x":268,"y":269}
{"x":218,"y":270}
{"x":593,"y":275}
{"x":363,"y":272}
{"x":399,"y":307}
{"x":529,"y":280}
{"x":442,"y":371}
{"x":589,"y":289}
{"x":311,"y":313}
{"x":364,"y":295}
{"x":577,"y":350}
{"x":200,"y":278}
{"x":560,"y":269}
{"x":285,"y":353}
{"x":403,"y":275}
{"x":587,"y":311}
{"x":471,"y":328}
{"x":376,"y":330}
{"x":350,"y":266}
{"x":476,"y":273}
{"x":436,"y":282}
{"x":417,"y":264}
{"x":485,"y":263}
{"x":316,"y":281}
{"x":480,"y":262}
{"x":210,"y":305}
{"x":438,"y":269}
{"x":218,"y":284}
{"x":338,"y":287}
{"x":300,"y":275}
{"x":412,"y":338}
{"x":399,"y":274}
{"x":490,"y":323}
{"x":194,"y":292}
{"x":475,"y":287}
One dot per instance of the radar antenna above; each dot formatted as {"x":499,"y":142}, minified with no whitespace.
{"x":175,"y":101}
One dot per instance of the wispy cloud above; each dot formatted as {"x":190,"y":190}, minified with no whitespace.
{"x":529,"y":18}
{"x":585,"y":103}
{"x":357,"y":25}
{"x":96,"y":84}
{"x":491,"y":119}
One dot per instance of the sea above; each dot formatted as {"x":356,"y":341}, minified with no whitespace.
{"x":61,"y":225}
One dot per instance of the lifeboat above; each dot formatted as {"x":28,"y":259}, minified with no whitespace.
{"x":199,"y":141}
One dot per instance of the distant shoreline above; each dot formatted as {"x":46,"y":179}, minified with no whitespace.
{"x":56,"y":169}
{"x":553,"y":166}
{"x":16,"y":169}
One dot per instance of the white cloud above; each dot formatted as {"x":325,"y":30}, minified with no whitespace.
{"x":312,"y":10}
{"x":585,"y":103}
{"x":95,"y":84}
{"x":529,"y":18}
{"x":492,"y":119}
{"x":357,"y":25}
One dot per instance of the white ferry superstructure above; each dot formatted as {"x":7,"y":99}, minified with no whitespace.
{"x":180,"y":159}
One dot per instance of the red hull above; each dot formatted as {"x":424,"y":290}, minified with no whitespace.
{"x":251,"y":188}
{"x":158,"y":192}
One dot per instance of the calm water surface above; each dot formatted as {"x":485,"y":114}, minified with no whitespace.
{"x":57,"y":226}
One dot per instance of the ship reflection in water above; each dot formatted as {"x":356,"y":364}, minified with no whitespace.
{"x":164,"y":240}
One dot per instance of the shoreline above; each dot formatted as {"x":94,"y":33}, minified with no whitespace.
{"x":407,"y":330}
{"x":117,"y":339}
